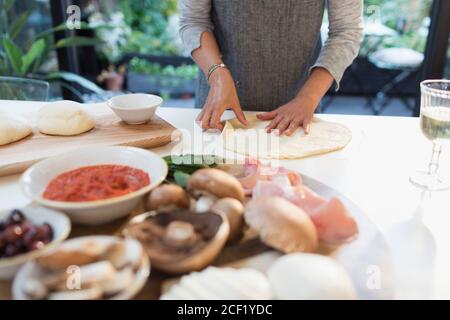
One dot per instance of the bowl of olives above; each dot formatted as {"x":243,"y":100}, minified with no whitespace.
{"x":26,"y":234}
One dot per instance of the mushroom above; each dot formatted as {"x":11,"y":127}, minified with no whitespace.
{"x":89,"y":274}
{"x":35,"y":289}
{"x":179,"y":234}
{"x":181,"y":241}
{"x":116,"y":254}
{"x":281,"y":225}
{"x":167,"y":197}
{"x":90,"y":270}
{"x":61,"y":259}
{"x":92,"y":292}
{"x":97,"y":272}
{"x":233,"y":210}
{"x":122,"y":280}
{"x":208,"y":185}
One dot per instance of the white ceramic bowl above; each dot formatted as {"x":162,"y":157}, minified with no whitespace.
{"x":37,"y":215}
{"x":134,"y":251}
{"x":135,"y":108}
{"x":36,"y":178}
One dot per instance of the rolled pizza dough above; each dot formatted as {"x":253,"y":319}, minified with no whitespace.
{"x":12,"y":129}
{"x":64,"y":118}
{"x":253,"y":140}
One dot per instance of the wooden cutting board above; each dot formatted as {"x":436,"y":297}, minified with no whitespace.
{"x":109,"y":131}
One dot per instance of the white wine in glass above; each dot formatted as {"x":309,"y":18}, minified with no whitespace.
{"x":435,"y":125}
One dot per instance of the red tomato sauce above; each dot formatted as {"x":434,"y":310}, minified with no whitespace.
{"x":96,"y":183}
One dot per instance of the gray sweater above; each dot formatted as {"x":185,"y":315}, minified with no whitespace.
{"x":271,"y":45}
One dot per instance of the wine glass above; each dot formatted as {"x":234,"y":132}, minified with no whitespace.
{"x":435,"y":125}
{"x":23,"y":89}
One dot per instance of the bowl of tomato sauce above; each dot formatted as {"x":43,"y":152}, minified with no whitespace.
{"x":94,"y":185}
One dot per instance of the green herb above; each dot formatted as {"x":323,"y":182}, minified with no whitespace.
{"x":181,"y":178}
{"x":182,"y":166}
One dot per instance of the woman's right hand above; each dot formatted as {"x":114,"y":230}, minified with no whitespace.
{"x":222,"y":96}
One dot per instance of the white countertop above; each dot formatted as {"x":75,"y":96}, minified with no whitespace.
{"x":372,"y":171}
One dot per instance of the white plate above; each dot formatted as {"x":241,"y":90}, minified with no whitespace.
{"x":134,"y":251}
{"x":37,"y":215}
{"x":35,"y":180}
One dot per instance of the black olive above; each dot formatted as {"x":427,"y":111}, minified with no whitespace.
{"x":30,"y":235}
{"x":18,"y":235}
{"x":11,"y":234}
{"x":50,"y":230}
{"x":15,"y":217}
{"x":26,"y":225}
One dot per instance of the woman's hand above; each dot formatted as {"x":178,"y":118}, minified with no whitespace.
{"x":222,"y":95}
{"x":299,"y":112}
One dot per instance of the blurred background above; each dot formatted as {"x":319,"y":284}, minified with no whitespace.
{"x":133,"y":46}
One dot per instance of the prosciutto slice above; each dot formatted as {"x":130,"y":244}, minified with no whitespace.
{"x":332,"y":220}
{"x":254,"y":171}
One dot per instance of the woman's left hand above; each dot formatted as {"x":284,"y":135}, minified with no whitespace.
{"x":299,"y":112}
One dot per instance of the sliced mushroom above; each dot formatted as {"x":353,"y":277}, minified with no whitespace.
{"x":181,"y":241}
{"x":118,"y":283}
{"x":84,"y":270}
{"x":35,"y":289}
{"x":61,"y":259}
{"x":168,"y":197}
{"x":281,"y":225}
{"x":96,"y":272}
{"x":89,"y":274}
{"x":234,"y":212}
{"x":116,"y":254}
{"x":93,"y":292}
{"x":208,"y":185}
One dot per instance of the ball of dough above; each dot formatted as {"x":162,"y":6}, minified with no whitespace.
{"x":305,"y":276}
{"x":64,"y":118}
{"x":12,"y":129}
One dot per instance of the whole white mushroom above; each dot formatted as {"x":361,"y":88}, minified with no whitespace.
{"x":305,"y":276}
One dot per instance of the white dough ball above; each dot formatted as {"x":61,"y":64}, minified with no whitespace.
{"x":304,"y":276}
{"x":12,"y":129}
{"x":64,"y":118}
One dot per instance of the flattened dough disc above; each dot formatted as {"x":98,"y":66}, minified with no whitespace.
{"x":253,"y":141}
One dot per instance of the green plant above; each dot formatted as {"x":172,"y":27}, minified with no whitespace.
{"x":139,"y":65}
{"x":148,"y":20}
{"x":405,"y":16}
{"x":113,"y":38}
{"x":26,"y":59}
